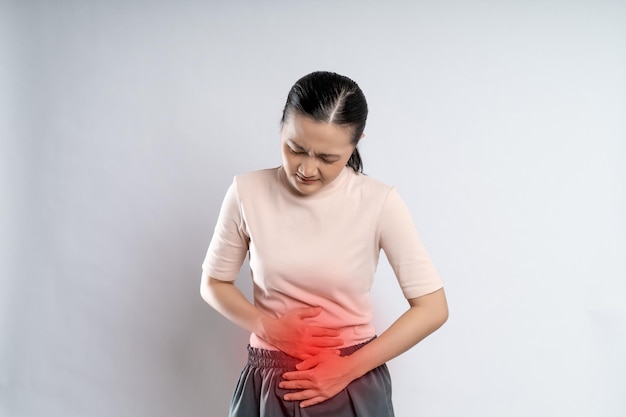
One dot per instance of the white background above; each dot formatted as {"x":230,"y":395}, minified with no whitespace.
{"x":122,"y":124}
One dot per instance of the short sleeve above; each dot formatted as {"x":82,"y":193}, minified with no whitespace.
{"x":229,"y":244}
{"x":403,"y":247}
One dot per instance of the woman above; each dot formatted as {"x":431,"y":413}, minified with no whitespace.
{"x":313,"y":229}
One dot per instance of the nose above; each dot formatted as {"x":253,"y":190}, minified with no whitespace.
{"x":308,"y":167}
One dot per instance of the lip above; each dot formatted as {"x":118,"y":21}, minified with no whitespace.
{"x":304,"y":180}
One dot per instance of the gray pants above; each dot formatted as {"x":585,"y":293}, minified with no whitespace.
{"x":257,"y":393}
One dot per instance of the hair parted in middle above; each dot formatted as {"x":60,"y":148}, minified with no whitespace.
{"x":330,"y":98}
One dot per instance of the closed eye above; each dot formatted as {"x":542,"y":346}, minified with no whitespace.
{"x":293,"y":151}
{"x":327,"y":160}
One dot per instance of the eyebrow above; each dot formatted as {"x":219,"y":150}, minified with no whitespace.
{"x":320,"y":155}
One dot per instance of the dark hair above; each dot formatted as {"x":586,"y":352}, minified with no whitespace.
{"x":331,"y":98}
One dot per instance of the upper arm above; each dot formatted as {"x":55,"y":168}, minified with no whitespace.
{"x":229,"y":244}
{"x":405,"y":251}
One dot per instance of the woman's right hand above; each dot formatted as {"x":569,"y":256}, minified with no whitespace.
{"x":292,"y":335}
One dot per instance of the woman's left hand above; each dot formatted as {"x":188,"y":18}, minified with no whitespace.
{"x":318,"y":378}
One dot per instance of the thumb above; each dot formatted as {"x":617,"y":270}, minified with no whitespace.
{"x":309,"y":363}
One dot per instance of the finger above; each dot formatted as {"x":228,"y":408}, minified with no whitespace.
{"x":312,"y":401}
{"x":299,"y":384}
{"x":300,"y":395}
{"x":305,"y":312}
{"x":319,"y":351}
{"x":302,"y":354}
{"x":323,"y":332}
{"x":308,"y":363}
{"x":296,"y":375}
{"x":319,"y":342}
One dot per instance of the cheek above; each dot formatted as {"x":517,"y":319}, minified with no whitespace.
{"x":331,"y":172}
{"x":287,"y":159}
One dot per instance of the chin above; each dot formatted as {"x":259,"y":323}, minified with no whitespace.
{"x":304,"y":189}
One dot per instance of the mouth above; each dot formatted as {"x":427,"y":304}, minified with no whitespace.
{"x":305,"y":180}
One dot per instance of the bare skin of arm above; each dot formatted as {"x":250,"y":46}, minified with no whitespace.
{"x":324,"y":376}
{"x":289,"y":333}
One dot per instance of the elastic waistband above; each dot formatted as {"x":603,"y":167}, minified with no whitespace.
{"x":263,"y":358}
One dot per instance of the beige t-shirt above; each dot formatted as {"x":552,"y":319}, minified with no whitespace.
{"x":318,"y":250}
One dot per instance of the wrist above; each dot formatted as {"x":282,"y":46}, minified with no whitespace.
{"x":365,"y":359}
{"x":355,"y":368}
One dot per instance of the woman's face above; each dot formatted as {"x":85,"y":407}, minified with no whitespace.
{"x":314,"y":153}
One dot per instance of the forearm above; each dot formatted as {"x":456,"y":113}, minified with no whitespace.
{"x":289,"y":333}
{"x":425,"y":315}
{"x":227,"y":300}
